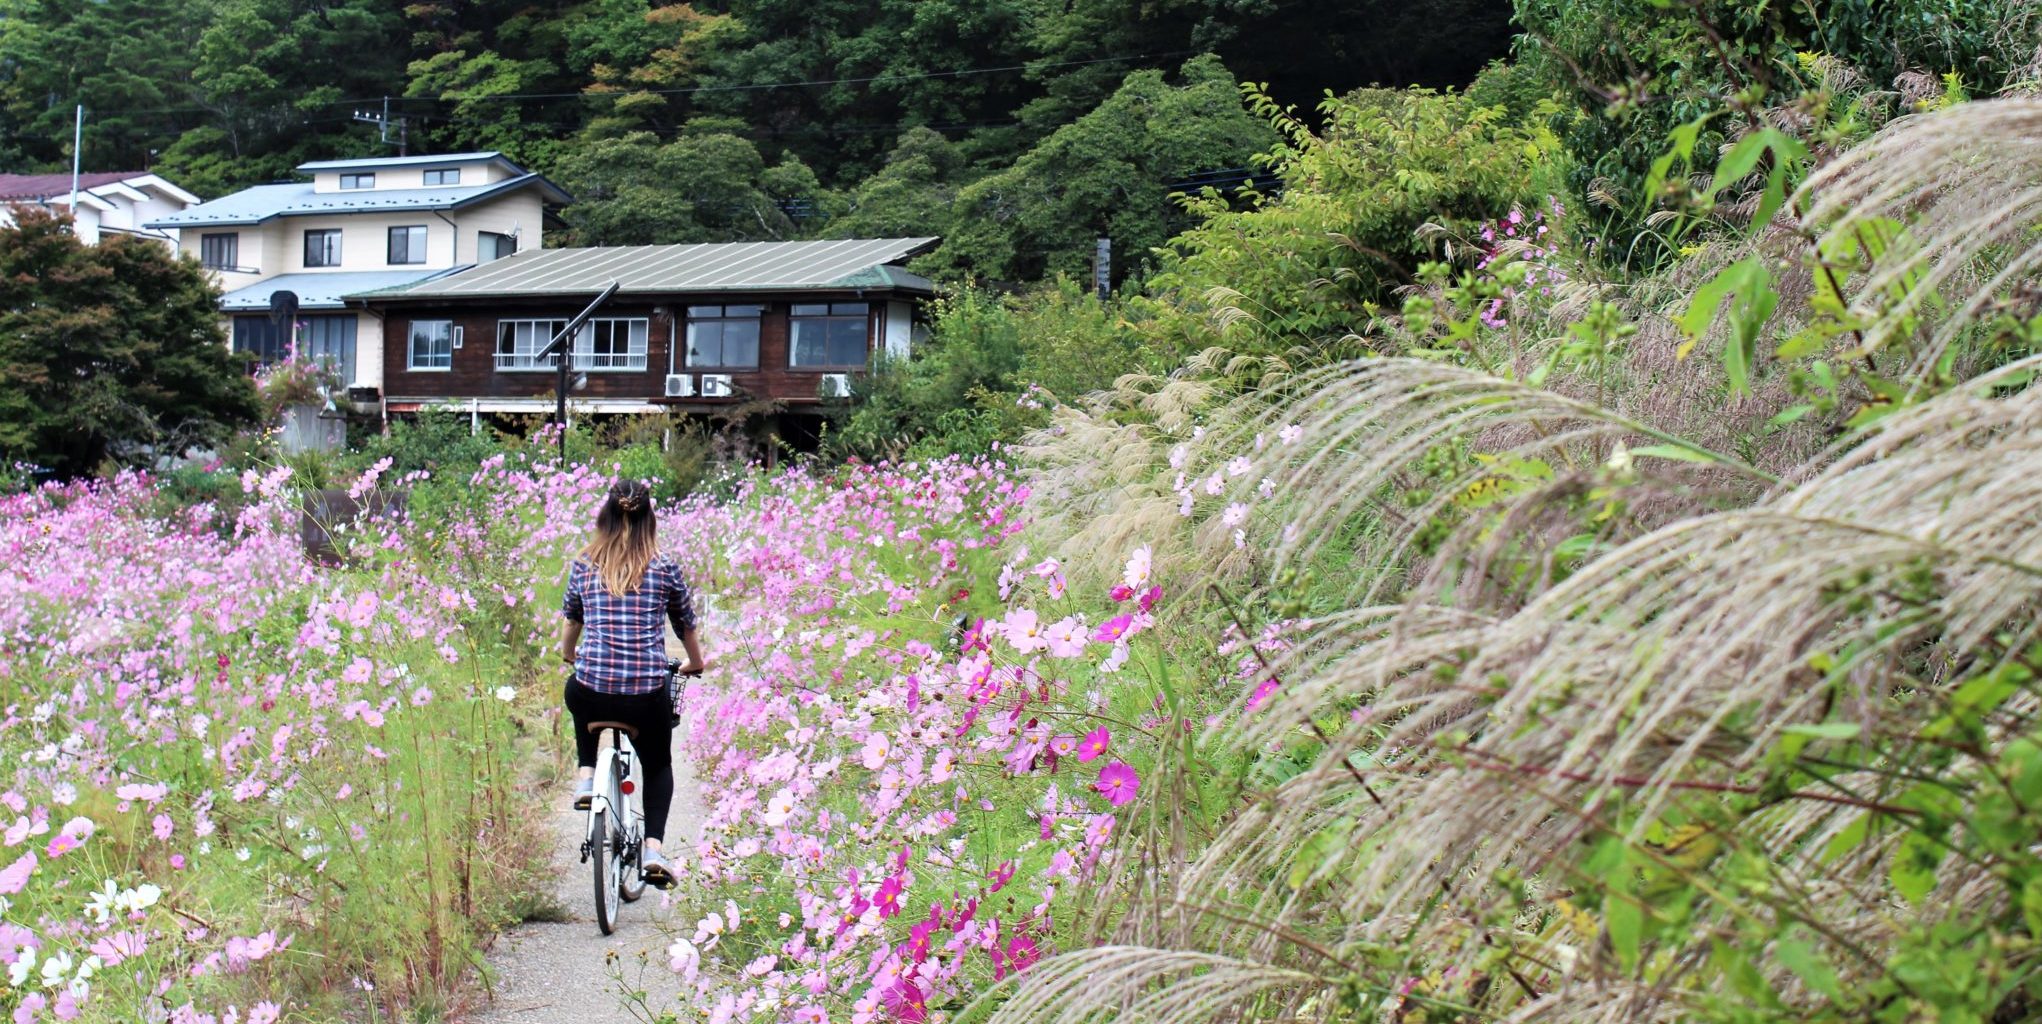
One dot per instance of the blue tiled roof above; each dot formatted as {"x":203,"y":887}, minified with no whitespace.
{"x":365,"y":163}
{"x":296,"y":199}
{"x":321,"y":289}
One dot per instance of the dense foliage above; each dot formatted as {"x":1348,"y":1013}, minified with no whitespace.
{"x":728,"y":121}
{"x":109,"y":350}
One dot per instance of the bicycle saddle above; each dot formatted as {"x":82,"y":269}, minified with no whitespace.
{"x":628,"y":730}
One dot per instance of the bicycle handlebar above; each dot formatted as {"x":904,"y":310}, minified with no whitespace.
{"x":673,"y":667}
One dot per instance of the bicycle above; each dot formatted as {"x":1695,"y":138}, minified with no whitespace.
{"x":615,"y":839}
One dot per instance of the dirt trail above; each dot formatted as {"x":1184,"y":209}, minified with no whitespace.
{"x":561,"y":972}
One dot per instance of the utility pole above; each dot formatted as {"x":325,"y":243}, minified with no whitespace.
{"x":77,"y":150}
{"x":383,"y":121}
{"x":1102,"y":268}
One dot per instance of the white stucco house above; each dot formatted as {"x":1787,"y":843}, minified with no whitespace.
{"x":109,"y":202}
{"x":357,"y":226}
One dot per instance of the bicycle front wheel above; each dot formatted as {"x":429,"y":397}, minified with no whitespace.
{"x":607,"y":869}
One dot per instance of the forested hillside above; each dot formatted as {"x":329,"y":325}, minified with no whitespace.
{"x":732,"y":120}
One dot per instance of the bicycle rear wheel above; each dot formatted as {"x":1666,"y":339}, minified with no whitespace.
{"x":605,"y":858}
{"x":631,"y":870}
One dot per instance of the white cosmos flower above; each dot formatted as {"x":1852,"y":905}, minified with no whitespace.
{"x":506,"y":694}
{"x":779,"y":809}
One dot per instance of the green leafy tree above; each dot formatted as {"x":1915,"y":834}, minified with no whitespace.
{"x":1110,"y":173}
{"x":127,"y":61}
{"x":910,"y":195}
{"x":107,"y":348}
{"x":888,"y":64}
{"x":709,"y":185}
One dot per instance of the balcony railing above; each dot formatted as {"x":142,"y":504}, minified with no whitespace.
{"x":585,"y":362}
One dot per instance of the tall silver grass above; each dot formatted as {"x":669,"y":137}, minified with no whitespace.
{"x":1469,"y":731}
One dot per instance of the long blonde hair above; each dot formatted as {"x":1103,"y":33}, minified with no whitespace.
{"x":627,"y":536}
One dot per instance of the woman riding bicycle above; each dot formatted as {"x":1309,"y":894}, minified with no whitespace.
{"x":621,"y":593}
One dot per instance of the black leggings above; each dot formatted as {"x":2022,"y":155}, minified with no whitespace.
{"x":653,"y":717}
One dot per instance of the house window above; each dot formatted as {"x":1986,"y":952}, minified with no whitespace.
{"x":611,"y":345}
{"x":259,"y":340}
{"x":328,"y":339}
{"x":446,"y":176}
{"x":407,"y":244}
{"x":519,"y":341}
{"x":220,"y":252}
{"x":834,"y":335}
{"x":723,"y":336}
{"x":351,"y":181}
{"x":492,"y":246}
{"x":322,"y":248}
{"x":432,"y":345}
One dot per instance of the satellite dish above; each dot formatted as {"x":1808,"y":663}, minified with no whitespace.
{"x":283,"y":308}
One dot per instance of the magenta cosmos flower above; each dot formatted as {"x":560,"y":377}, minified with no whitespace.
{"x":1113,"y":629}
{"x":1094,"y":744}
{"x":1118,"y":783}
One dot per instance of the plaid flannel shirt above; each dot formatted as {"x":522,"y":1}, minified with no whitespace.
{"x":623,"y":642}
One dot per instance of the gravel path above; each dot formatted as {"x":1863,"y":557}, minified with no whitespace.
{"x":566,"y":972}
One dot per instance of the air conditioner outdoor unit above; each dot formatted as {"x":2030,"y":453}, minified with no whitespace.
{"x":680,"y":385}
{"x":716,"y":385}
{"x":836,"y":385}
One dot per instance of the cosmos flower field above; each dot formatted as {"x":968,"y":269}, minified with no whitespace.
{"x":917,"y":747}
{"x":238,"y":787}
{"x":241,"y":788}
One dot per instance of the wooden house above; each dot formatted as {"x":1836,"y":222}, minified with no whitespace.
{"x":691,"y":327}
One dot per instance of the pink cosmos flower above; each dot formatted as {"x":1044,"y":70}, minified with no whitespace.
{"x":14,"y":877}
{"x":1262,"y":692}
{"x":1118,"y":783}
{"x":1064,"y":745}
{"x":1094,"y":744}
{"x":61,"y":844}
{"x":1022,"y":952}
{"x":1065,"y":638}
{"x":1113,"y":629}
{"x":118,"y":946}
{"x":876,"y":749}
{"x":906,"y":1003}
{"x":887,"y":898}
{"x":1024,"y":631}
{"x":1002,"y":875}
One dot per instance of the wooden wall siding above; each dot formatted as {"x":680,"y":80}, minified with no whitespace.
{"x":474,"y":373}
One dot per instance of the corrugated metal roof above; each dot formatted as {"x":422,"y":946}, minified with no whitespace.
{"x":401,"y":161}
{"x":320,"y":290}
{"x":666,"y":269}
{"x":44,"y":186}
{"x":296,"y":199}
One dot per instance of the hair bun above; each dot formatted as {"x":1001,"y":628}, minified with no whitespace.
{"x":630,"y":495}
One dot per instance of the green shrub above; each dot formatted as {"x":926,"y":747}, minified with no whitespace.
{"x":1314,"y":263}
